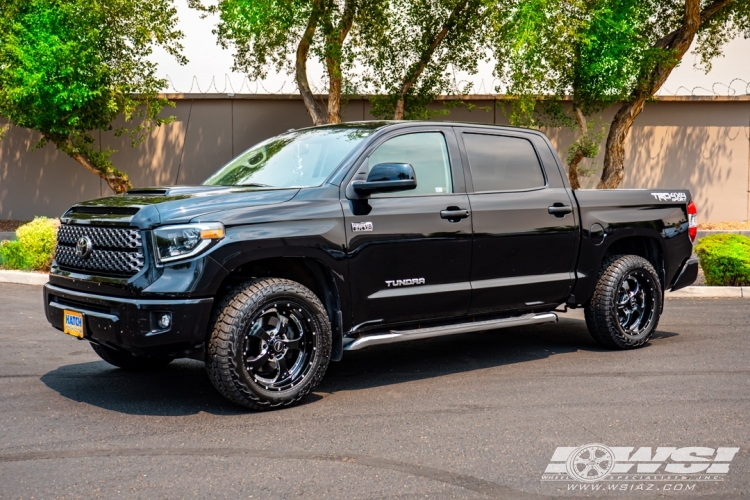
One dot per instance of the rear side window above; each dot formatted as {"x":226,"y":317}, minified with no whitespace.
{"x":427,"y":153}
{"x":500,"y":163}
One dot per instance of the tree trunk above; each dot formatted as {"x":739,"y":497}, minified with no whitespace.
{"x":116,"y":180}
{"x":334,"y":97}
{"x":573,"y":170}
{"x":576,"y":160}
{"x":335,"y":44}
{"x":614,"y":153}
{"x":314,"y":109}
{"x":677,"y":42}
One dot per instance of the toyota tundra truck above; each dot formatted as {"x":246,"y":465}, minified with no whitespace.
{"x":337,"y":238}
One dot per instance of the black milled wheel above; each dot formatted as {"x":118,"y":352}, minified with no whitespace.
{"x":127,"y":361}
{"x":626,"y":305}
{"x":270,"y":344}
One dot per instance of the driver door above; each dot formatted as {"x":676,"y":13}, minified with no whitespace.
{"x":407,"y":262}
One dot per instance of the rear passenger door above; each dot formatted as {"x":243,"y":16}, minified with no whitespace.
{"x":525,"y":234}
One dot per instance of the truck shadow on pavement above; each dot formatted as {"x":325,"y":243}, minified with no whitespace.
{"x":183,"y":388}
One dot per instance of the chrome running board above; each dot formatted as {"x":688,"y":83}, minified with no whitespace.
{"x":439,"y":331}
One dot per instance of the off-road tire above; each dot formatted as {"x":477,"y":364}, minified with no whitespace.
{"x":602,"y":311}
{"x":127,"y":361}
{"x":233,"y":318}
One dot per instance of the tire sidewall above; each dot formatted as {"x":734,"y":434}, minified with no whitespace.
{"x":635,"y":265}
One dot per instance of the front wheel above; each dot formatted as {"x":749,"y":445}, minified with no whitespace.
{"x":270,"y":344}
{"x":626,"y":305}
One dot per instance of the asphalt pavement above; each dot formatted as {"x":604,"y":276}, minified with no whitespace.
{"x":471,"y":416}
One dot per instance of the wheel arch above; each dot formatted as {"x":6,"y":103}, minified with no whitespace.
{"x":309,"y":272}
{"x":647,"y":246}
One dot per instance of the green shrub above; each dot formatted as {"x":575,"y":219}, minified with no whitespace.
{"x":34,"y":247}
{"x":12,"y":256}
{"x":725,"y":259}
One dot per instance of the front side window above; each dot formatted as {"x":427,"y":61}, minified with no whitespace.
{"x":302,"y":158}
{"x":501,"y":163}
{"x":427,"y":153}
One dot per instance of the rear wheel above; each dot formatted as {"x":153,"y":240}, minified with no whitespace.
{"x":624,"y":311}
{"x":127,"y":361}
{"x":270,"y":344}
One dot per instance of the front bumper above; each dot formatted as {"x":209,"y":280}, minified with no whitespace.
{"x":131,"y":324}
{"x":686,"y":275}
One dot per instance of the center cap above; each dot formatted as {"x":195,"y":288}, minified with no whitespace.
{"x":278,"y":346}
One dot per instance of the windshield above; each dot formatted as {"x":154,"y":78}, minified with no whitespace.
{"x":302,"y":158}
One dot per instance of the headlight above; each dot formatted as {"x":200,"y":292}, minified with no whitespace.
{"x":185,"y":240}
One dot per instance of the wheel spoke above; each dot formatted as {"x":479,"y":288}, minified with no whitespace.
{"x":599,"y":469}
{"x":257,"y":363}
{"x":274,"y":323}
{"x":636,"y":289}
{"x":293,"y":345}
{"x":258,"y":331}
{"x":283,"y":370}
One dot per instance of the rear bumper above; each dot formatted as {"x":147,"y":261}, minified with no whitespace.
{"x":132,"y":324}
{"x":686,"y":275}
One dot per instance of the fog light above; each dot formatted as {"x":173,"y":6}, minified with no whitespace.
{"x":165,"y":320}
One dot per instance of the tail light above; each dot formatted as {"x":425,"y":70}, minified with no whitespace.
{"x":692,"y":221}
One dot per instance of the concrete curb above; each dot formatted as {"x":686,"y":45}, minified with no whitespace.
{"x":23,"y":278}
{"x":712,"y":292}
{"x":4,"y":235}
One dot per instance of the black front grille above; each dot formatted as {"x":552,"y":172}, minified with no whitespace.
{"x":104,"y":237}
{"x":116,"y":251}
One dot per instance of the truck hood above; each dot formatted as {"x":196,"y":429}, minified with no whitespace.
{"x":150,"y":207}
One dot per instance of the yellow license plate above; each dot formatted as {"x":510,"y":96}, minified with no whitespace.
{"x":73,"y":323}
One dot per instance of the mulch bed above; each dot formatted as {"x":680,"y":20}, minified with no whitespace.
{"x":9,"y":226}
{"x":725,"y":226}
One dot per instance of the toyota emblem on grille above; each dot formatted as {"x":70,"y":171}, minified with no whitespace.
{"x":84,"y":247}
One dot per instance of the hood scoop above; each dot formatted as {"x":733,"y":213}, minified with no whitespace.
{"x":147,"y":192}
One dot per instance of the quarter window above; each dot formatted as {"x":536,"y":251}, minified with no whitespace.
{"x":427,"y":153}
{"x":501,"y":163}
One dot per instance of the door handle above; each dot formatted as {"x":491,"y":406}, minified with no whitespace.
{"x":560,"y":210}
{"x":454,"y":214}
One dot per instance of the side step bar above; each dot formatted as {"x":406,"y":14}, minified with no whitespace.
{"x":439,"y":331}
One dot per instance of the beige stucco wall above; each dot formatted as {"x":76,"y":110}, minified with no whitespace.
{"x":704,"y":146}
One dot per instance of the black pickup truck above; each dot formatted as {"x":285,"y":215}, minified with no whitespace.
{"x":336,"y":238}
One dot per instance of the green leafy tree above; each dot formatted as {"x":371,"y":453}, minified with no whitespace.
{"x":266,"y":33}
{"x":412,"y":56}
{"x":70,"y":67}
{"x":587,"y":51}
{"x":671,"y":27}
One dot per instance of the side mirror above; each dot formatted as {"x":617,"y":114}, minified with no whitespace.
{"x":387,"y":178}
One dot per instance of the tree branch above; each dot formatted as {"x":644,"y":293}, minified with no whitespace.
{"x":417,"y":68}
